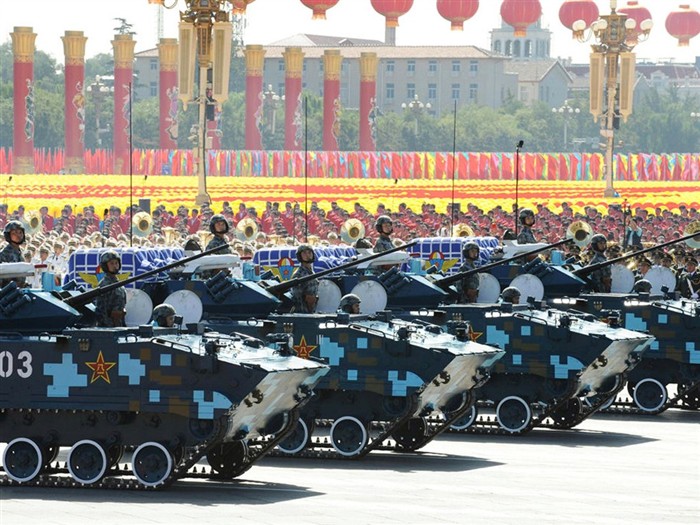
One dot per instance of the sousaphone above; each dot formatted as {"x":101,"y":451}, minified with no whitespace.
{"x":580,"y":232}
{"x":31,"y":222}
{"x":352,"y":230}
{"x":463,"y":230}
{"x":693,"y":242}
{"x":246,"y":229}
{"x":142,"y":224}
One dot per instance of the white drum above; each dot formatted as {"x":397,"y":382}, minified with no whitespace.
{"x":622,"y":279}
{"x":329,"y":295}
{"x":489,"y":289}
{"x":187,"y":304}
{"x":139,"y":307}
{"x":529,"y":286}
{"x":660,"y":276}
{"x":373,"y":296}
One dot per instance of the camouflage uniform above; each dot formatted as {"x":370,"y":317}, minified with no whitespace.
{"x":526,"y":237}
{"x":108,"y":302}
{"x":470,"y":282}
{"x":301,"y":290}
{"x":598,"y":276}
{"x":383,"y":244}
{"x":10,"y":254}
{"x":216,"y":242}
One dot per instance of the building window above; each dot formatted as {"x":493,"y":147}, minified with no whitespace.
{"x":456,"y":67}
{"x":523,"y":94}
{"x":303,"y":66}
{"x":432,"y":91}
{"x":410,"y":91}
{"x":411,"y":67}
{"x":390,"y":66}
{"x":497,"y":46}
{"x":154,"y":65}
{"x":455,"y":91}
{"x":432,"y":67}
{"x":473,"y":92}
{"x":390,"y":91}
{"x":509,"y":48}
{"x":473,"y":66}
{"x":528,"y":48}
{"x":154,"y":89}
{"x":280,"y":65}
{"x":516,"y":48}
{"x":280,"y":89}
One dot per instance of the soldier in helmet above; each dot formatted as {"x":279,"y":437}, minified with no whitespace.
{"x":350,"y":304}
{"x":14,"y":235}
{"x":468,"y":287}
{"x":219,"y":227}
{"x":642,"y":286}
{"x":164,"y":315}
{"x":527,"y":220}
{"x":110,"y":307}
{"x":601,"y":279}
{"x":305,"y":295}
{"x":385,"y":226}
{"x":511,"y":295}
{"x":689,"y":280}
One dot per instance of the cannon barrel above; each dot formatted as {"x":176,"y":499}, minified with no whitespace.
{"x":587,"y":270}
{"x":447,"y":281}
{"x":90,"y":295}
{"x":286,"y":285}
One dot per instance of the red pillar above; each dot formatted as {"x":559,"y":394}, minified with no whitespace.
{"x":74,"y":102}
{"x":23,"y":39}
{"x":167,"y":93}
{"x":332,"y":60}
{"x":254,"y":64}
{"x":123,"y":46}
{"x":293,"y":109}
{"x":368,"y":101}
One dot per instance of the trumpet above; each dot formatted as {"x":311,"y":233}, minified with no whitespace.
{"x":352,"y":230}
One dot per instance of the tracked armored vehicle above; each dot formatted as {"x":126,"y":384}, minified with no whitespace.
{"x":390,"y":380}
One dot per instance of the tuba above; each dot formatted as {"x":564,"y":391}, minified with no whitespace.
{"x":580,"y":232}
{"x":32,"y":222}
{"x":142,"y":224}
{"x":204,"y":237}
{"x":246,"y":229}
{"x":463,"y":230}
{"x":692,"y":228}
{"x":352,"y":230}
{"x":171,"y":236}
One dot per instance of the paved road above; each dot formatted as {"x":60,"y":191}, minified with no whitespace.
{"x":611,"y":469}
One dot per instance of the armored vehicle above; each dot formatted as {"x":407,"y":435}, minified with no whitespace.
{"x":672,"y":359}
{"x":554,"y":361}
{"x":387,"y":378}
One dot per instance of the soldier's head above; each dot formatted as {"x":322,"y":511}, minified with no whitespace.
{"x":164,"y":315}
{"x":511,"y":295}
{"x":218,"y":224}
{"x":110,"y":262}
{"x":642,"y":286}
{"x":305,"y":254}
{"x":350,"y":303}
{"x":527,"y":217}
{"x":14,"y":233}
{"x":384,"y":225}
{"x":470,"y":251}
{"x":691,"y":264}
{"x":599,"y":243}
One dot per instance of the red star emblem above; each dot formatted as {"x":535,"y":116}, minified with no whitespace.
{"x":473,"y":336}
{"x":304,"y":350}
{"x":100,"y":368}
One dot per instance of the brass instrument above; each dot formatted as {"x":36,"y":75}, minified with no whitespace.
{"x":693,"y":228}
{"x":142,"y":224}
{"x":32,"y":222}
{"x":463,"y":230}
{"x":205,"y":237}
{"x":352,"y":230}
{"x":246,"y":229}
{"x":171,"y":236}
{"x":579,"y":232}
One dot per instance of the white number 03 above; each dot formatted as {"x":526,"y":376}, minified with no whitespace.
{"x":23,"y":366}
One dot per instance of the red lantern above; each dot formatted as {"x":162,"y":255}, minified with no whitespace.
{"x":319,"y":7}
{"x":520,"y":14}
{"x":239,"y":6}
{"x":573,"y":10}
{"x":457,"y":11}
{"x":392,"y":10}
{"x":637,"y":13}
{"x":683,"y":24}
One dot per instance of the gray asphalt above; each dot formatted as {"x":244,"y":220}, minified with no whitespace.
{"x":610,"y":469}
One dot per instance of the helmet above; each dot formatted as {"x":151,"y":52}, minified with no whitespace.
{"x":302,"y":248}
{"x":470,"y":246}
{"x":107,"y":256}
{"x":382,"y":219}
{"x":525,"y":212}
{"x":347,"y":302}
{"x":642,"y":286}
{"x":510,"y":293}
{"x":217,"y":218}
{"x":13,"y":225}
{"x":162,"y":312}
{"x":598,"y":237}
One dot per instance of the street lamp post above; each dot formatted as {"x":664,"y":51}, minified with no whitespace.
{"x":416,"y":108}
{"x":98,"y":90}
{"x":611,"y":58}
{"x":270,"y":102}
{"x":567,"y":112}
